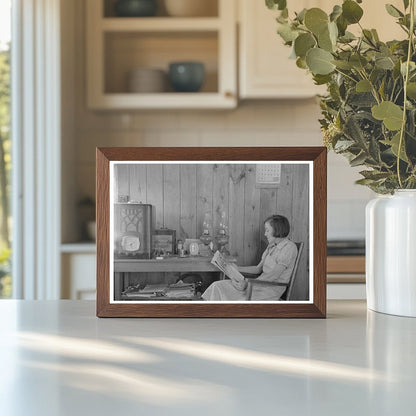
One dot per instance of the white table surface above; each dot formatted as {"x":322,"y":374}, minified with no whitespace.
{"x":57,"y":358}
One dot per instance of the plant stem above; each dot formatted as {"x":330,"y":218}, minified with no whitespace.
{"x":405,"y":81}
{"x":346,"y":75}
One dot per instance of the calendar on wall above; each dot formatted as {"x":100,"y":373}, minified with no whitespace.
{"x":268,"y":175}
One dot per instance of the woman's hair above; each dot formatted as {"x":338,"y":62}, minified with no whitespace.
{"x":280,"y":225}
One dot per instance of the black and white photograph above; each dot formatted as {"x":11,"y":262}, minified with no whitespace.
{"x":211,"y":232}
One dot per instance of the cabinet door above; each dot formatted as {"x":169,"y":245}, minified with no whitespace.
{"x":266,"y":71}
{"x":78,"y":276}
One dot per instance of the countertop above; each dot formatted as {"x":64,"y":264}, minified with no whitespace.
{"x":57,"y":358}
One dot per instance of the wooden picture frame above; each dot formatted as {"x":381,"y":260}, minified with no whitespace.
{"x":179,"y":184}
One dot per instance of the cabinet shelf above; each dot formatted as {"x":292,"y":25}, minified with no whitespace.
{"x":195,"y":100}
{"x":160,"y":24}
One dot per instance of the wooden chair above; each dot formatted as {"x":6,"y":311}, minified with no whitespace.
{"x":287,"y":294}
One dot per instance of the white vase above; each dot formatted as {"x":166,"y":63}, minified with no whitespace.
{"x":391,"y":253}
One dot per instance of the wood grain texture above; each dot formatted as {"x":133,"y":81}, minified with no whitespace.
{"x":300,"y":230}
{"x":236,"y":211}
{"x":103,"y":231}
{"x":346,"y":264}
{"x":155,"y":192}
{"x":171,"y":201}
{"x":187,"y":197}
{"x":204,"y":187}
{"x":228,"y":187}
{"x":251,"y":218}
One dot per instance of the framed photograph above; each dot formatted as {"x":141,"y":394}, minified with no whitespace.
{"x":164,"y":242}
{"x":231,"y":248}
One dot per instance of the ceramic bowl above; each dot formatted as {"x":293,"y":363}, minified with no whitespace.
{"x":147,"y":80}
{"x":135,"y":8}
{"x":186,"y":76}
{"x":191,"y":8}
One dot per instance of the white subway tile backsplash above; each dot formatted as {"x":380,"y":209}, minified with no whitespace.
{"x":206,"y":119}
{"x":168,"y":138}
{"x":145,"y":120}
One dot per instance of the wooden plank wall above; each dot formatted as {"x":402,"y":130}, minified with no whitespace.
{"x":183,"y":193}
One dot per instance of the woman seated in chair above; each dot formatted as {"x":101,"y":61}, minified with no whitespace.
{"x":276,"y":265}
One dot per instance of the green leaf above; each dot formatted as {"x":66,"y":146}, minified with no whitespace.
{"x":354,"y":132}
{"x":394,"y":143}
{"x":374,"y":174}
{"x":393,"y":11}
{"x":321,"y":79}
{"x":336,"y":12}
{"x":303,"y":43}
{"x":316,"y":20}
{"x":325,"y":42}
{"x":412,"y":67}
{"x":411,"y":90}
{"x":345,"y":65}
{"x":384,"y":62}
{"x":347,"y":37}
{"x":301,"y":63}
{"x":319,"y":61}
{"x":363,"y":86}
{"x":406,"y":4}
{"x":333,"y":32}
{"x":343,"y":145}
{"x":351,"y":11}
{"x":276,"y":4}
{"x":359,"y":160}
{"x":368,"y":36}
{"x":342,"y":25}
{"x":301,"y":15}
{"x":358,"y":61}
{"x":375,"y":35}
{"x":287,"y":33}
{"x":391,"y":114}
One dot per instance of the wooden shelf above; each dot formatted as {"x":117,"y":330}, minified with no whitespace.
{"x":160,"y":24}
{"x":345,"y":269}
{"x":164,"y":100}
{"x":345,"y":264}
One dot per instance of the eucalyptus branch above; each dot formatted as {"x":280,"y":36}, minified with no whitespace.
{"x":373,"y":88}
{"x":392,"y":90}
{"x":346,"y":75}
{"x":406,"y":79}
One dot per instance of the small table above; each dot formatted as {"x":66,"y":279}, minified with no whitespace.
{"x":172,"y":264}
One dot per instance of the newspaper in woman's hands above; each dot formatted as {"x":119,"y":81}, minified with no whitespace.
{"x":229,"y":269}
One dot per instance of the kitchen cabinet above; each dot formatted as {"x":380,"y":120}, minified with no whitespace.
{"x":118,"y":45}
{"x":78,"y":263}
{"x":265,"y":70}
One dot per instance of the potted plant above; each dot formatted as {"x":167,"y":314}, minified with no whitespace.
{"x":368,"y":116}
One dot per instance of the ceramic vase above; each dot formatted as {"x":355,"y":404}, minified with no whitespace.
{"x":391,"y":253}
{"x":135,"y":8}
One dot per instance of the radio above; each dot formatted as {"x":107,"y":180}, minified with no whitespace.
{"x":132,"y":231}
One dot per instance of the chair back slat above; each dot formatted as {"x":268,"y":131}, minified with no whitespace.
{"x":288,"y":293}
